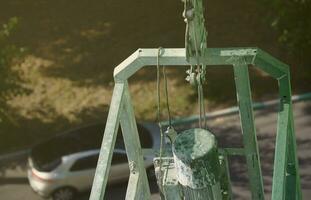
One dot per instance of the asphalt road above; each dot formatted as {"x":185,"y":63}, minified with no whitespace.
{"x":14,"y":186}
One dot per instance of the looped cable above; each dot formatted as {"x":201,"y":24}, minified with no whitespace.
{"x":201,"y":105}
{"x":171,"y":133}
{"x":159,"y":102}
{"x":166,"y":96}
{"x":159,"y":116}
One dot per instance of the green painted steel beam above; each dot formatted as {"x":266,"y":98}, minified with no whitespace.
{"x":212,"y":56}
{"x":292,"y":187}
{"x":106,"y":151}
{"x":280,"y":159}
{"x":293,"y":182}
{"x":244,"y":99}
{"x":133,"y":191}
{"x":176,"y":57}
{"x":138,"y":183}
{"x":225,"y":180}
{"x":270,"y":65}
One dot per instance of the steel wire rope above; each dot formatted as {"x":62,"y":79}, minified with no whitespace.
{"x":159,"y":107}
{"x":159,"y":115}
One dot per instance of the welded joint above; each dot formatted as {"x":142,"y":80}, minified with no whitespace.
{"x":238,"y":54}
{"x":281,"y":68}
{"x":238,"y":61}
{"x":118,"y":72}
{"x":133,"y":167}
{"x":285,"y":75}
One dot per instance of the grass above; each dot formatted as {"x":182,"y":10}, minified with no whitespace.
{"x":73,"y":48}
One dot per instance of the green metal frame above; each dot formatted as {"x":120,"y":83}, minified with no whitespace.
{"x":286,"y":180}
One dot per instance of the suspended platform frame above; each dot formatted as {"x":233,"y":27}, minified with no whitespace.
{"x":286,"y":180}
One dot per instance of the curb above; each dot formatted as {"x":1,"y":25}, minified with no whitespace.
{"x":6,"y":159}
{"x":234,"y":110}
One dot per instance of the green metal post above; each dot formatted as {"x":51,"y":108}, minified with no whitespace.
{"x":286,"y":179}
{"x":225,"y":182}
{"x":279,"y":177}
{"x":138,"y":187}
{"x":292,"y":170}
{"x":248,"y":128}
{"x":109,"y":140}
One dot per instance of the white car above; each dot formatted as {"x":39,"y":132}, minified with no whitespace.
{"x":64,"y":165}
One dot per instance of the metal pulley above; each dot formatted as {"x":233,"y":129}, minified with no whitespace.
{"x":196,"y":76}
{"x":195,"y":37}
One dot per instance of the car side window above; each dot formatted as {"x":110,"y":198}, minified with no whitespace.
{"x":119,"y":158}
{"x":86,"y":163}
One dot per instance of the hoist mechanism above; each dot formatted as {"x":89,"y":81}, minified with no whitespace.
{"x":195,"y":37}
{"x":190,"y":164}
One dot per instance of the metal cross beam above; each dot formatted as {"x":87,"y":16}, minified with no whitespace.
{"x":286,"y":180}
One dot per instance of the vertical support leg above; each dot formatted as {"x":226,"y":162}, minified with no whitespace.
{"x":280,"y":159}
{"x":292,"y":172}
{"x":286,"y":178}
{"x":225,"y":180}
{"x":138,"y":187}
{"x":248,"y":128}
{"x":106,"y":151}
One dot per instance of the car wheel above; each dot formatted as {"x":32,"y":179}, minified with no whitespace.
{"x":65,"y":193}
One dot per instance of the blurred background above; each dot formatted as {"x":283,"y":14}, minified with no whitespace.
{"x":57,"y":59}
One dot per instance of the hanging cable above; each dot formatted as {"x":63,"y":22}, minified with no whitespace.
{"x":203,"y":109}
{"x":201,"y":105}
{"x":170,"y":133}
{"x":196,"y":77}
{"x":199,"y":80}
{"x":158,"y":87}
{"x":159,"y":113}
{"x":166,"y":96}
{"x":159,"y":100}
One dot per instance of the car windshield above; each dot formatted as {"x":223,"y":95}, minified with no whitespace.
{"x":78,"y":140}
